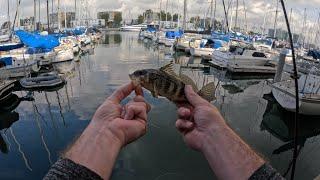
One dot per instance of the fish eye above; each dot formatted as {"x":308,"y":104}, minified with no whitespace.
{"x":141,"y":73}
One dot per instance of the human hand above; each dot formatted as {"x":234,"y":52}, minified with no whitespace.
{"x":197,"y":120}
{"x":125,"y":123}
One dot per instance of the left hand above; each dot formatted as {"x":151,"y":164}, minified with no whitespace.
{"x":125,"y":123}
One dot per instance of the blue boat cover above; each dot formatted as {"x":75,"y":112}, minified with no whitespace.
{"x":174,"y":34}
{"x":47,"y":43}
{"x":151,"y":29}
{"x":7,"y":61}
{"x":315,"y":54}
{"x":8,"y":47}
{"x":212,"y":43}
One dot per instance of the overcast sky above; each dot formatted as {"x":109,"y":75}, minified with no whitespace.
{"x":257,"y":10}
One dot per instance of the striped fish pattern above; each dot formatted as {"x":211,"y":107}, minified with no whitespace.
{"x":165,"y":82}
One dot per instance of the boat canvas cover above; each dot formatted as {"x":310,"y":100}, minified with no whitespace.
{"x":7,"y":61}
{"x":46,"y":43}
{"x":173,"y":34}
{"x":212,"y":43}
{"x":315,"y":54}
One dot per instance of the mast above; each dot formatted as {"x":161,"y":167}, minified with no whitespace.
{"x":226,"y":15}
{"x":59,"y":24}
{"x":184,"y":25}
{"x":275,"y":21}
{"x":304,"y":26}
{"x":214,"y":14}
{"x":167,"y":12}
{"x":65,"y":16}
{"x":51,"y":12}
{"x":245,"y":16}
{"x":18,"y":18}
{"x":231,"y":16}
{"x":48,"y":21}
{"x":9,"y":14}
{"x":75,"y":12}
{"x":236,"y":20}
{"x":35,"y":15}
{"x":39,"y":13}
{"x":160,"y":14}
{"x":171,"y":15}
{"x":211,"y":14}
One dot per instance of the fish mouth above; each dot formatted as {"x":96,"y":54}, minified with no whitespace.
{"x":131,"y":76}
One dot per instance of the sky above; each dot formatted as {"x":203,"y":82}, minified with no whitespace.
{"x":258,"y":11}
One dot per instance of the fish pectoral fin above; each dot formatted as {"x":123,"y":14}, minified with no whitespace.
{"x":154,"y":92}
{"x":188,"y":81}
{"x":208,"y":92}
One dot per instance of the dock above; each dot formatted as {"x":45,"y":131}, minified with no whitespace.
{"x":252,"y":69}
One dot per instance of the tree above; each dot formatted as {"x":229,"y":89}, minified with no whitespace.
{"x":140,"y":19}
{"x":175,"y":17}
{"x":104,"y":16}
{"x":117,"y":19}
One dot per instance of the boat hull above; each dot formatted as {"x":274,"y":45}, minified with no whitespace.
{"x":288,"y":101}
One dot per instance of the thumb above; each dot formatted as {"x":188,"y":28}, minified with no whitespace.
{"x":193,"y":98}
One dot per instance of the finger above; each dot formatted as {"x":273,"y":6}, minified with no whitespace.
{"x":184,"y":125}
{"x":136,"y":112}
{"x":193,"y":97}
{"x":134,"y":129}
{"x":121,"y":93}
{"x":141,"y":99}
{"x":184,"y":113}
{"x":138,"y":90}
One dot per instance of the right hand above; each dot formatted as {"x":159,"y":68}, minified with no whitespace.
{"x":198,"y":120}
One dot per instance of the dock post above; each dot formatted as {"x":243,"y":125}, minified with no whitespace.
{"x":281,"y":63}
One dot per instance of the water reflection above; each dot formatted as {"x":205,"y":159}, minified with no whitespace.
{"x":280,"y":123}
{"x":112,"y":39}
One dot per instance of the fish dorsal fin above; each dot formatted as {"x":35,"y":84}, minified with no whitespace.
{"x":169,"y":69}
{"x":188,"y":81}
{"x":208,"y":92}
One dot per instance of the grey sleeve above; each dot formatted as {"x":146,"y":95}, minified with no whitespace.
{"x":67,"y":169}
{"x":266,"y":172}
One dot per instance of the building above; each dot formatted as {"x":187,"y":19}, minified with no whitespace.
{"x":112,"y":18}
{"x":66,"y":19}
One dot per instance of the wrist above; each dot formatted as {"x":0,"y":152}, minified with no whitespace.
{"x":96,"y":149}
{"x":213,"y":134}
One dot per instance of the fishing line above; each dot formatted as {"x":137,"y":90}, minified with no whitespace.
{"x":295,"y":77}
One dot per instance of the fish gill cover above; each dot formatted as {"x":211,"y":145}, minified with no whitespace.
{"x":37,"y":41}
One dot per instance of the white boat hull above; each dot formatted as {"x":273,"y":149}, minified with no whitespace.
{"x":64,"y":55}
{"x":288,"y":102}
{"x":19,"y":70}
{"x":199,"y":52}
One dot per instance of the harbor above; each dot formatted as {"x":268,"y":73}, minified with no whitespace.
{"x":53,"y":77}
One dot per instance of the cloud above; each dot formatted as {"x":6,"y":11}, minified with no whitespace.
{"x":256,"y":10}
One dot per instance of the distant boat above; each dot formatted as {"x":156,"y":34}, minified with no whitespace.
{"x":133,"y":28}
{"x":243,"y":61}
{"x":206,"y":47}
{"x":42,"y":82}
{"x":183,"y":43}
{"x":309,"y":94}
{"x":13,"y":68}
{"x":170,"y":37}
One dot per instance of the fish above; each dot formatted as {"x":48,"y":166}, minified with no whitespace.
{"x":166,"y":83}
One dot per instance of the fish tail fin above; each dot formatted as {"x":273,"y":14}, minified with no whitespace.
{"x":208,"y":92}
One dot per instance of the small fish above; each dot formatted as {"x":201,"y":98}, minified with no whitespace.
{"x":165,"y":82}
